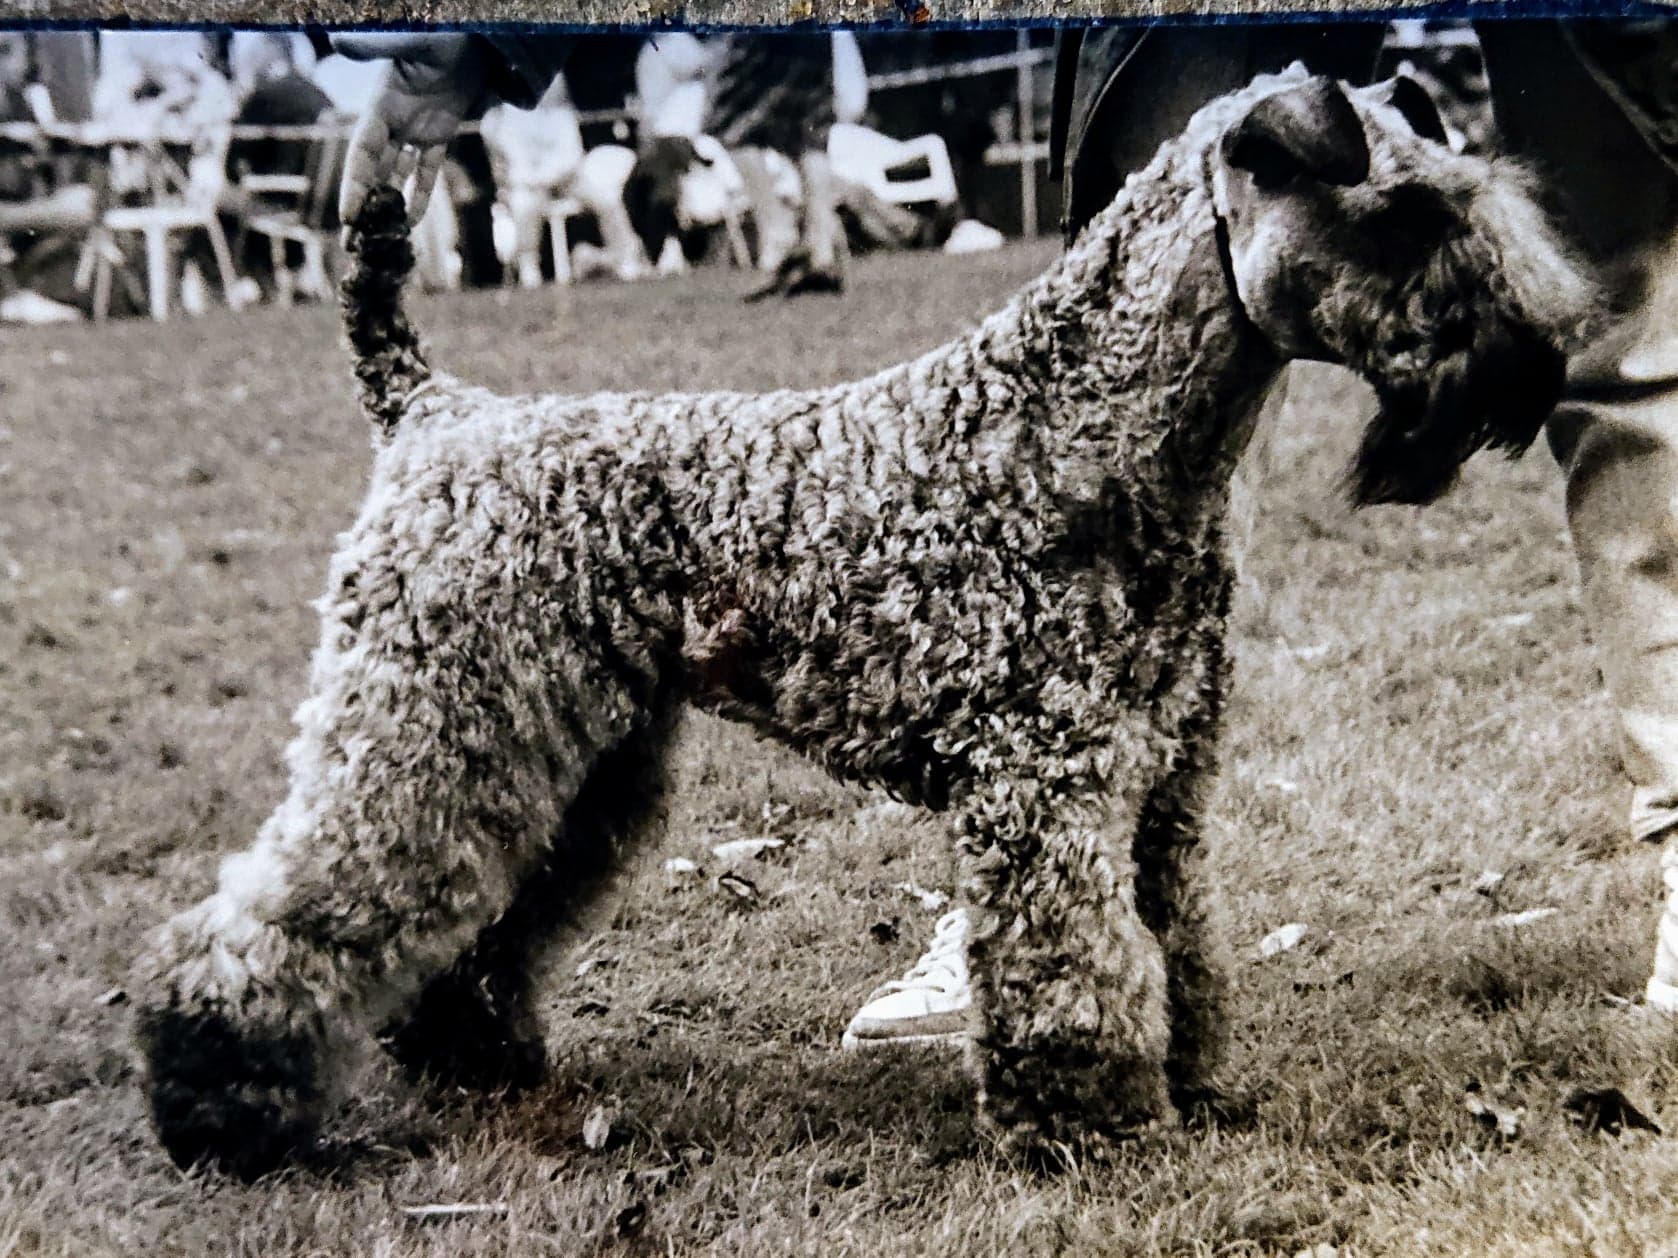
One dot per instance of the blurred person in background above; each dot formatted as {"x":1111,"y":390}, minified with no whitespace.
{"x":46,"y":200}
{"x":21,"y":182}
{"x":685,"y":185}
{"x":673,"y":74}
{"x":271,"y":74}
{"x":783,"y":93}
{"x":66,"y":65}
{"x":18,"y":157}
{"x":162,"y":83}
{"x":776,"y":92}
{"x":534,"y":155}
{"x":59,"y":88}
{"x":168,"y":99}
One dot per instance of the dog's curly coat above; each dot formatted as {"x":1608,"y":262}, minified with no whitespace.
{"x":989,"y":580}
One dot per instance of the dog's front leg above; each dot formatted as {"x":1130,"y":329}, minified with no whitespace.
{"x":1069,"y":983}
{"x":1171,"y":894}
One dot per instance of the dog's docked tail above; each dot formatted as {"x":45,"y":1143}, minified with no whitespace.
{"x":388,"y":362}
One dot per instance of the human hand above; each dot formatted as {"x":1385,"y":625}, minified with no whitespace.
{"x":432,"y":83}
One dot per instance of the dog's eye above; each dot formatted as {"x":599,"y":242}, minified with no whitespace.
{"x":1413,"y":217}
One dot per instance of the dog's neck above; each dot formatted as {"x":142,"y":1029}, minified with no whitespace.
{"x":1142,"y":370}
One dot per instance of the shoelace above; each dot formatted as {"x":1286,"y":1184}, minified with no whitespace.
{"x":943,"y":967}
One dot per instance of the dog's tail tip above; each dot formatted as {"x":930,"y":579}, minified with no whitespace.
{"x":380,"y":220}
{"x":389,"y":363}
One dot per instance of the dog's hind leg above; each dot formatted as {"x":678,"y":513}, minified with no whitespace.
{"x":475,"y":1026}
{"x":1068,"y":981}
{"x":449,"y":730}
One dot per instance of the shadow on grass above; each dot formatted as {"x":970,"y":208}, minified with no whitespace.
{"x":668,"y":1104}
{"x":1367,"y":1073}
{"x":682,"y":1106}
{"x":765,"y":1100}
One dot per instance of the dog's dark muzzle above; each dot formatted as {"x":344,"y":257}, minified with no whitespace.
{"x":1494,"y":391}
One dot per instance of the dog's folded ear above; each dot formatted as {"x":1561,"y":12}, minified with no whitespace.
{"x":1309,"y":131}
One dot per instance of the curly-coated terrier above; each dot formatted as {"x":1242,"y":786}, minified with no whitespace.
{"x":989,"y":580}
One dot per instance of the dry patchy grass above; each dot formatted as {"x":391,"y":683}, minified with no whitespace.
{"x":1417,"y":704}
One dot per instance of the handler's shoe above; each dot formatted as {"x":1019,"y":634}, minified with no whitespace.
{"x":928,"y":1005}
{"x":1662,"y":991}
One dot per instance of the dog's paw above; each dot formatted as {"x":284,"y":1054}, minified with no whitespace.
{"x":466,"y":1045}
{"x":1204,"y":1107}
{"x":221,"y":1096}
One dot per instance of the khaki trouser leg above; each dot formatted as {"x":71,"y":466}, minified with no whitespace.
{"x":1621,"y":460}
{"x":824,"y":233}
{"x":1616,"y":434}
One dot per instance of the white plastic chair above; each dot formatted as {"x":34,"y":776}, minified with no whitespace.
{"x":192,"y":209}
{"x":716,"y":196}
{"x":296,"y":209}
{"x":595,"y":187}
{"x":863,"y":156}
{"x":536,"y":154}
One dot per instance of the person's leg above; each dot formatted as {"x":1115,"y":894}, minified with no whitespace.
{"x":1133,"y":90}
{"x":816,"y":261}
{"x":1616,"y":435}
{"x":824,"y":233}
{"x":777,"y":93}
{"x":772,"y":197}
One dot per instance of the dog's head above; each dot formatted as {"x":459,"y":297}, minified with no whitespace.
{"x":1354,"y":234}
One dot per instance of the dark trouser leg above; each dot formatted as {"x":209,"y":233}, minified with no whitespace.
{"x":1137,"y":89}
{"x":1616,"y":434}
{"x":1134,"y":89}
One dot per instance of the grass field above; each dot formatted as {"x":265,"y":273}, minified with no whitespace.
{"x":1417,"y":704}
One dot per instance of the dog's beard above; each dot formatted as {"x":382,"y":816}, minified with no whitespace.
{"x":1501,"y":303}
{"x":1458,"y":362}
{"x":1494,"y":393}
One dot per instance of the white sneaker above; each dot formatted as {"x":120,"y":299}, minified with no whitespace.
{"x":928,"y":1005}
{"x":1662,"y":991}
{"x":1662,"y":997}
{"x":28,"y":306}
